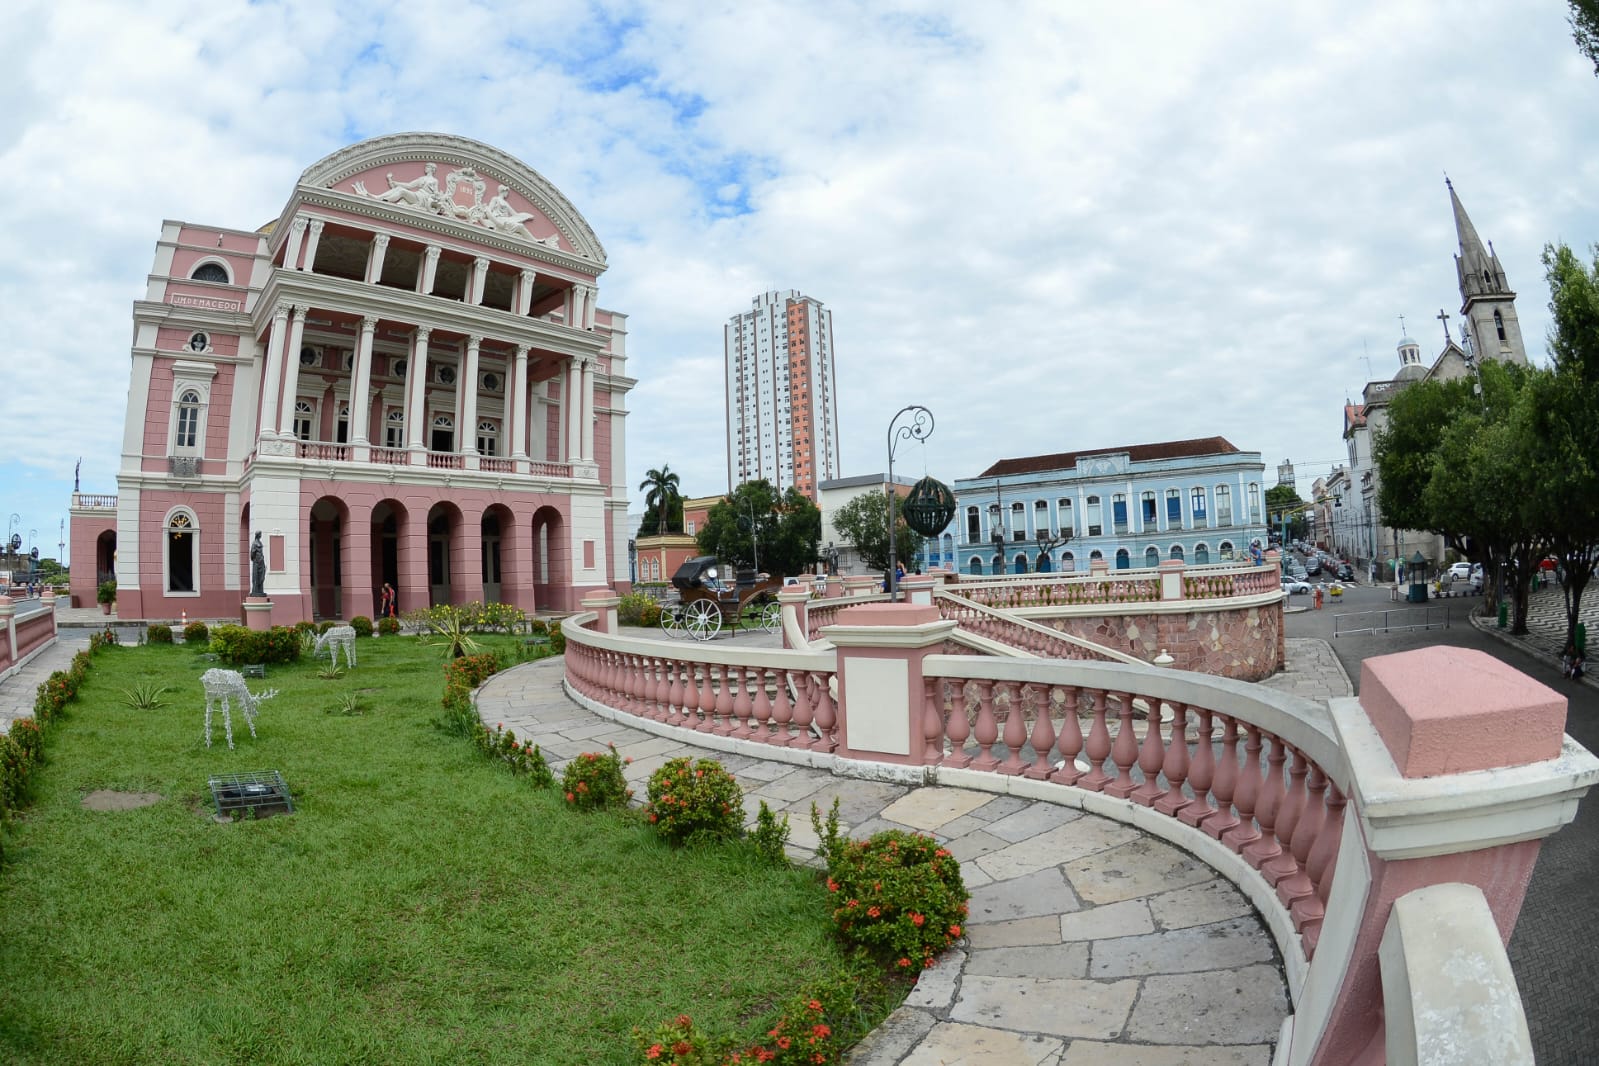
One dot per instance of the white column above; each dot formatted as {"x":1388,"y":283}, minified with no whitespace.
{"x":374,"y":260}
{"x":274,"y":371}
{"x":291,"y":249}
{"x":575,"y":317}
{"x":311,"y":244}
{"x":519,"y":401}
{"x":591,"y":297}
{"x":480,"y":273}
{"x":416,"y":374}
{"x":361,"y":395}
{"x":571,"y":416}
{"x":586,"y":421}
{"x":468,"y":407}
{"x":291,"y":373}
{"x":524,"y":294}
{"x":429,"y":267}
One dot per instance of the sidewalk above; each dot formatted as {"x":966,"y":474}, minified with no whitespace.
{"x":18,"y":690}
{"x":1545,"y":638}
{"x":1088,"y":942}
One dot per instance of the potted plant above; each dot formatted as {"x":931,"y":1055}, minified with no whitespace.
{"x":107,"y":595}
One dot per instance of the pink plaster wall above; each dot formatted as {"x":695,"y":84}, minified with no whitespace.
{"x":1243,"y":643}
{"x":234,"y":243}
{"x":84,"y":536}
{"x":150,"y":599}
{"x":176,"y":339}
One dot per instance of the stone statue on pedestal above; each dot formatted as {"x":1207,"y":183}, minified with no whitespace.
{"x":257,"y":567}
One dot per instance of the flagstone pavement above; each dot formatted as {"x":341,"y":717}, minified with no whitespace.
{"x":1088,"y":942}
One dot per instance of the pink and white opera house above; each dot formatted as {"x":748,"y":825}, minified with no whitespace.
{"x":404,"y":378}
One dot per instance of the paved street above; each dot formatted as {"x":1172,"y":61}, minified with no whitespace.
{"x":1555,"y":948}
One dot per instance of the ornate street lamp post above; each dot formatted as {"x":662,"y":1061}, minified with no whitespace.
{"x":920,"y":427}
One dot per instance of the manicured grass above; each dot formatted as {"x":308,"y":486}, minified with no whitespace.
{"x":421,"y":906}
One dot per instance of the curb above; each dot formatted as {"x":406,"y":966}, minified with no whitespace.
{"x":1485,"y":626}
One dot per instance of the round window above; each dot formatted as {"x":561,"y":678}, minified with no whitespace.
{"x":199,"y":342}
{"x":491,"y":382}
{"x":447,"y":375}
{"x":308,"y":356}
{"x":398,"y":368}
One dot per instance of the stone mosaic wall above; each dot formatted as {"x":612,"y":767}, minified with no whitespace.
{"x":1243,"y":643}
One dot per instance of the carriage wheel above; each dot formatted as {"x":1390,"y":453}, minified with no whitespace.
{"x":702,"y":619}
{"x":772,"y":617}
{"x":671,"y":620}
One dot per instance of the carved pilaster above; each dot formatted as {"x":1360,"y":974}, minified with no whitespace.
{"x":519,"y":403}
{"x":291,"y":247}
{"x":416,"y":375}
{"x":268,"y":420}
{"x":430,"y":269}
{"x":480,"y":273}
{"x":524,"y":293}
{"x":311,"y":244}
{"x":361,"y":396}
{"x":374,"y":263}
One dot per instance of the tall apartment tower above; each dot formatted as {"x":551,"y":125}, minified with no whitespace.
{"x":782,"y":412}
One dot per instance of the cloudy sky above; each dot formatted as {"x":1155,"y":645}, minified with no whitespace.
{"x":1058,"y":226}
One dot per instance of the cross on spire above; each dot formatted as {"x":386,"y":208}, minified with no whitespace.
{"x":1402,"y":331}
{"x":1448,"y":340}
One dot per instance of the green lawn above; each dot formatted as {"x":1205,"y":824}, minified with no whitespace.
{"x":420,"y":906}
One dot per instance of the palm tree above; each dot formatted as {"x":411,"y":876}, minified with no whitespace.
{"x":660,"y":490}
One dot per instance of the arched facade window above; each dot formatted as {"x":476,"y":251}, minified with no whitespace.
{"x":1226,"y":549}
{"x":999,"y":564}
{"x":1151,"y":557}
{"x":1095,"y":526}
{"x":211,"y":270}
{"x":1063,"y":515}
{"x":1018,"y":521}
{"x":341,"y":427}
{"x":181,"y":559}
{"x":1068,"y":562}
{"x":443,"y":439}
{"x":1254,"y":502}
{"x":1174,"y":508}
{"x":1020,"y":563}
{"x":188,"y":431}
{"x":1095,"y":555}
{"x":975,"y":566}
{"x":1124,"y":560}
{"x":1499,"y":325}
{"x":1224,"y":505}
{"x":1177,"y":552}
{"x":1146,"y":509}
{"x":1118,"y":512}
{"x":1201,"y":555}
{"x":1196,"y":507}
{"x":1044,"y":565}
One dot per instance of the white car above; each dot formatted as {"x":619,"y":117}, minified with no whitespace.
{"x":1294,"y":586}
{"x":1460,"y":572}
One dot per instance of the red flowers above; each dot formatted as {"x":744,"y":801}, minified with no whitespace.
{"x":954,"y":930}
{"x":917,"y":919}
{"x":654,"y":1052}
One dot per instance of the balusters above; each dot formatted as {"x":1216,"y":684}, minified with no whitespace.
{"x":674,"y":692}
{"x":1223,"y":821}
{"x":1125,"y":751}
{"x":1288,"y":820}
{"x":636,"y":677}
{"x":742,"y":707}
{"x":826,"y":718}
{"x":1152,"y":756}
{"x":932,"y":723}
{"x":1265,"y":847}
{"x":1298,"y":886}
{"x":987,"y":731}
{"x":1320,"y":867}
{"x":663,"y":689}
{"x":1200,"y":774}
{"x":761,"y":710}
{"x":804,"y":709}
{"x":1244,"y":833}
{"x":782,"y":713}
{"x":1098,"y":746}
{"x":718,"y":724}
{"x":1043,"y":736}
{"x":707,"y":700}
{"x":1070,"y":741}
{"x":1175,"y":766}
{"x":959,"y":726}
{"x":1015,"y":728}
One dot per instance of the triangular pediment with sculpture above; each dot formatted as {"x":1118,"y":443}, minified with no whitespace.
{"x":460,"y":193}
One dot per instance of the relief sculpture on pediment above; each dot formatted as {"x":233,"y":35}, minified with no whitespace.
{"x":461,"y":199}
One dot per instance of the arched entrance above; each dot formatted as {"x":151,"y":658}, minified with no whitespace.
{"x":388,"y":526}
{"x":446,"y":565}
{"x":105,"y":557}
{"x":325,"y":555}
{"x":551,"y":567}
{"x":499,"y":562}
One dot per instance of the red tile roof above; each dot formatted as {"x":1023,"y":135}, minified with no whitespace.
{"x":1137,"y":453}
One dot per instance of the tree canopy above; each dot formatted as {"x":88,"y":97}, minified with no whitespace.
{"x":863,"y":523}
{"x":754,"y":527}
{"x":1585,"y":29}
{"x":660,"y":488}
{"x":1281,"y":499}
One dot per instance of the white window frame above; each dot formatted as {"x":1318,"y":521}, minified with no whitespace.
{"x":307,"y":415}
{"x":394,"y":428}
{"x":488,"y":438}
{"x":188,"y":376}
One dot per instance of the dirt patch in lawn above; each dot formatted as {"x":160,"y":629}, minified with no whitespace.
{"x":106,"y":799}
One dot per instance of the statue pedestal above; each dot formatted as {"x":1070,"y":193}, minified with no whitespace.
{"x":257,"y":613}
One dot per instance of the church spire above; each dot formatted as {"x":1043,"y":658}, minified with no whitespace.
{"x":1477,"y":265}
{"x":1487,"y":301}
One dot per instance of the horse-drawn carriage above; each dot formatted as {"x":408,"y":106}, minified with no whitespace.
{"x":706,"y":603}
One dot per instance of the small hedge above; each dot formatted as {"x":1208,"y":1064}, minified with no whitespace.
{"x":160,"y":634}
{"x":362,"y":625}
{"x":196,"y":633}
{"x":637,"y":609}
{"x":594,"y":782}
{"x":692,"y":801}
{"x":388,"y":626}
{"x":237,"y":645}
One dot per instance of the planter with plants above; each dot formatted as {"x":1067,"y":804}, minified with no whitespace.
{"x":107,"y":596}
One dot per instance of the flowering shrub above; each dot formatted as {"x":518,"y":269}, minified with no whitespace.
{"x":769,"y":836}
{"x":388,"y":626}
{"x":898,"y":894}
{"x":557,"y":638}
{"x":523,"y":758}
{"x":107,"y":636}
{"x":691,"y":801}
{"x":196,"y":633}
{"x":593,"y":781}
{"x":362,"y":625}
{"x":160,"y":634}
{"x":57,"y":690}
{"x":463,"y":675}
{"x":19,"y":753}
{"x":637,"y":609}
{"x":677,"y":1043}
{"x":235,"y":644}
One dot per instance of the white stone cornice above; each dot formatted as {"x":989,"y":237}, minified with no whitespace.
{"x":157,"y":314}
{"x":402,"y":305}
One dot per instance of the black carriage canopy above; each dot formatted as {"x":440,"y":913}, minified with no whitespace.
{"x":693,"y":572}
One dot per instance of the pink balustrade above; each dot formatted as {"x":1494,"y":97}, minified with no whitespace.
{"x":1117,"y":586}
{"x":310,"y":449}
{"x":392,"y":456}
{"x":1018,"y":633}
{"x":446,"y":461}
{"x":543,"y":469}
{"x":496,"y":466}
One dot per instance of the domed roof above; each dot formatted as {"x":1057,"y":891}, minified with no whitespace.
{"x":1406,"y":342}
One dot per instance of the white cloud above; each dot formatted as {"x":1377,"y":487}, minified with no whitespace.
{"x":1058,"y":228}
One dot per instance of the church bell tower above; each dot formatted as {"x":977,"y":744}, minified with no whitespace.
{"x":1488,"y":304}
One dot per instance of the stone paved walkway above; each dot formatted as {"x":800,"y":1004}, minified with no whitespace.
{"x":1088,"y":941}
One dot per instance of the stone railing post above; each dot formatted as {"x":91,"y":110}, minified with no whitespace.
{"x":918,"y":588}
{"x":1099,"y":567}
{"x":8,"y":618}
{"x":880,"y":691}
{"x":603,"y":603}
{"x":796,"y":610}
{"x":862,"y":585}
{"x":1171,"y":579}
{"x":1458,"y":768}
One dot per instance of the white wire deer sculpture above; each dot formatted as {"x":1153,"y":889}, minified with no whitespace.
{"x":220,"y":687}
{"x":335,"y":638}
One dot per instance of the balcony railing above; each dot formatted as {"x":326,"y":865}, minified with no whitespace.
{"x":338,"y":453}
{"x":393,"y":456}
{"x":496,"y":466}
{"x":446,"y":461}
{"x":86,"y":501}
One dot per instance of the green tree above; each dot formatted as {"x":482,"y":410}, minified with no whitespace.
{"x":754,"y":527}
{"x":1284,"y":500}
{"x":649,"y":525}
{"x":1585,"y":29}
{"x":863,"y":523}
{"x":660,"y":490}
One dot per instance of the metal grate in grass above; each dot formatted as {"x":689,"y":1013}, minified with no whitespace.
{"x":263,"y":792}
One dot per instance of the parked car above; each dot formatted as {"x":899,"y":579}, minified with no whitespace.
{"x":1345,"y":572}
{"x":1312,"y":566}
{"x":1294,"y":586}
{"x":1460,"y":572}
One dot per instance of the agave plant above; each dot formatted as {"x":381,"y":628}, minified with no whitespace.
{"x":451,"y":629}
{"x":143,"y":696}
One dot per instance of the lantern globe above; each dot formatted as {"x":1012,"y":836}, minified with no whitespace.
{"x":929,"y":507}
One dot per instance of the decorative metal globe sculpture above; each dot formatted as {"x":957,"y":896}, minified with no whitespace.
{"x":929,"y":507}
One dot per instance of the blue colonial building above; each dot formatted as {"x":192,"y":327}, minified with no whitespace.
{"x":1197,"y":500}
